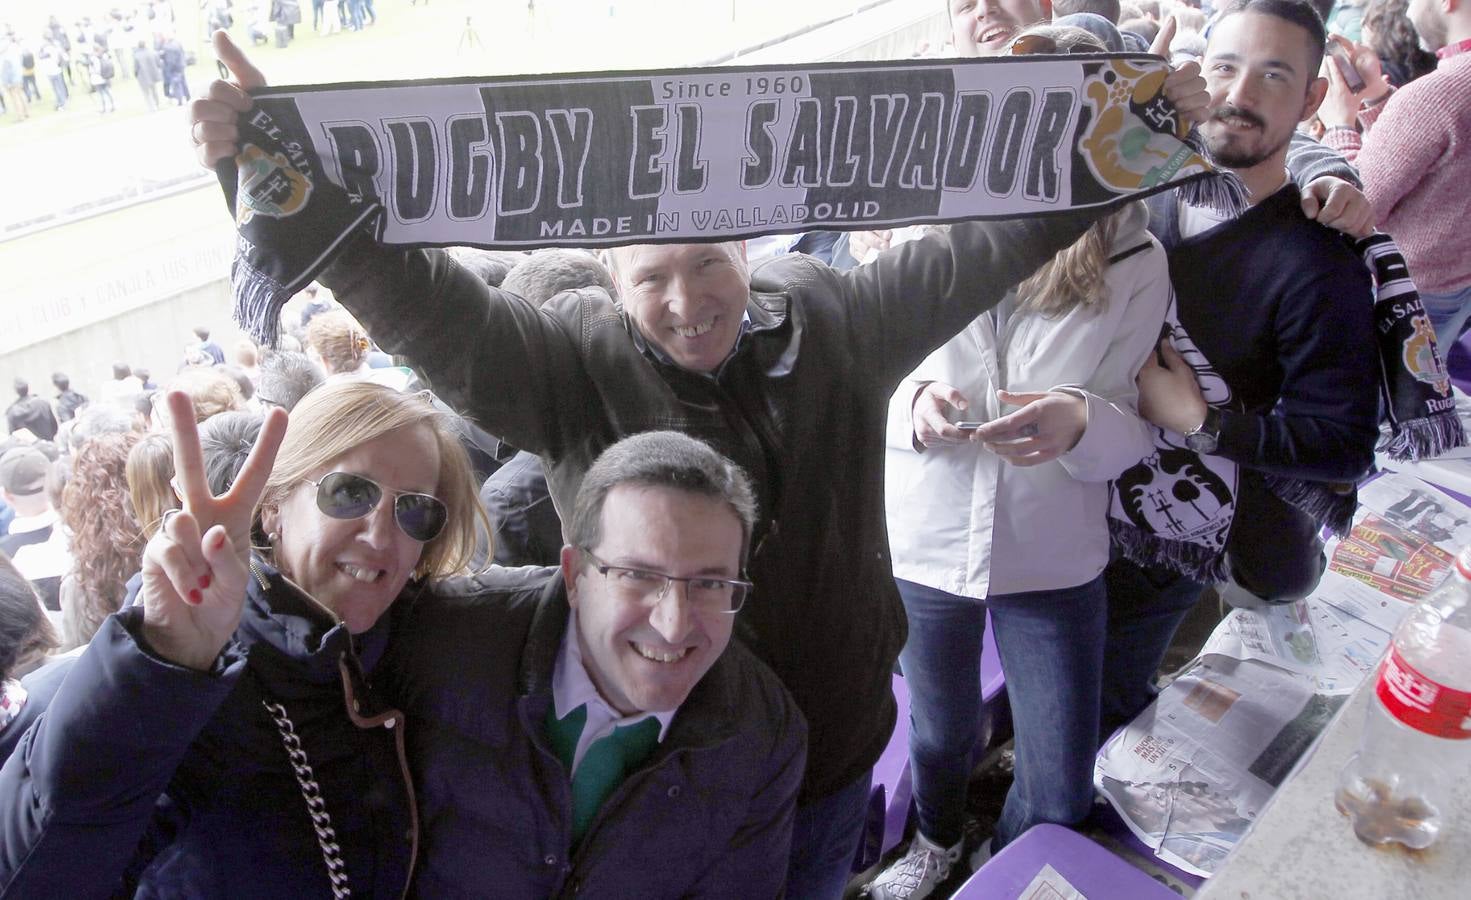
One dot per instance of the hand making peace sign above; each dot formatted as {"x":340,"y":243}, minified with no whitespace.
{"x":195,"y":567}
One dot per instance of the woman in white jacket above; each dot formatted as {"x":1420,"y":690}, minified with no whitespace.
{"x":1010,"y":515}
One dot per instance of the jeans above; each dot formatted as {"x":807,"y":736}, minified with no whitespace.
{"x":1273,"y":553}
{"x":825,"y":839}
{"x":1448,"y":314}
{"x":58,"y":87}
{"x":1051,"y":647}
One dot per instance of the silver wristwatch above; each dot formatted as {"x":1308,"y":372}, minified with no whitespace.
{"x":1206,"y":436}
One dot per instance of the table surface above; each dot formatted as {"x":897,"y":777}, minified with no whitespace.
{"x":1300,"y":847}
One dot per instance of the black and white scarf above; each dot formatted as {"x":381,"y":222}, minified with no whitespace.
{"x":603,"y":159}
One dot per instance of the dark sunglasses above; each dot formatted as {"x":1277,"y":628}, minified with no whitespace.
{"x":1034,"y":44}
{"x":343,"y":495}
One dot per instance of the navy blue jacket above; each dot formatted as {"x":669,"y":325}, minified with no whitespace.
{"x":137,"y":776}
{"x":1282,"y":309}
{"x":710,"y":815}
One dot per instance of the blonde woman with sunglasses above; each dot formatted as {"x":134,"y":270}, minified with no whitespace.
{"x":221,"y":738}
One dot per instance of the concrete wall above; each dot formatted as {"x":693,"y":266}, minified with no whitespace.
{"x":153,"y":336}
{"x":107,"y":309}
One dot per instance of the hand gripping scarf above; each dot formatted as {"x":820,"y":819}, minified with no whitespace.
{"x":1174,"y":509}
{"x":599,"y":160}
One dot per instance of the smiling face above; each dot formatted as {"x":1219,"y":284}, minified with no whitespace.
{"x":985,"y":27}
{"x":648,"y":656}
{"x":687,"y":299}
{"x":1261,"y":71}
{"x":357,"y":567}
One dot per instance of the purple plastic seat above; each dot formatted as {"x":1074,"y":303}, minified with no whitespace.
{"x":1092,"y":870}
{"x":1458,"y":362}
{"x":993,"y":686}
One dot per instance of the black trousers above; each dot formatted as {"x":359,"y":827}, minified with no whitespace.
{"x":1274,"y":552}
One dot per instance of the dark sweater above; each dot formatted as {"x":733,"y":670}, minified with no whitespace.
{"x":1282,"y":309}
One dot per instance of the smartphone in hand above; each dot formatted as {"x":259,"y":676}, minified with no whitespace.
{"x":1346,"y":67}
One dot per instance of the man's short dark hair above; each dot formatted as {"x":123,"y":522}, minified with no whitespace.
{"x":121,"y":370}
{"x":1298,"y":12}
{"x":285,"y":377}
{"x":201,"y":332}
{"x":660,"y":459}
{"x":1109,"y":9}
{"x":547,"y":273}
{"x":1323,"y":8}
{"x":61,"y":381}
{"x":225,"y":440}
{"x":21,"y":387}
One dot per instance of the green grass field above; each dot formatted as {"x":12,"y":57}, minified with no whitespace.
{"x":447,"y":38}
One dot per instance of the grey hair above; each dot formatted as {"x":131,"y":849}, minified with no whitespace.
{"x":95,"y":420}
{"x":285,"y":377}
{"x":661,"y":459}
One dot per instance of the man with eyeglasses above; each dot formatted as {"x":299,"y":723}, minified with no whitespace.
{"x":594,"y":730}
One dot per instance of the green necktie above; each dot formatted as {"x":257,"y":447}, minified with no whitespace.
{"x":606,"y":763}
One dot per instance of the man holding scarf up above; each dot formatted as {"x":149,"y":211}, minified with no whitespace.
{"x":786,"y":370}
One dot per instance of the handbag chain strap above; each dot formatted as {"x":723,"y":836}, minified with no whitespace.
{"x":321,"y":821}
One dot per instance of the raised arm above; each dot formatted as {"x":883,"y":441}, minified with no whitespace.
{"x":914,"y":297}
{"x":492,"y":355}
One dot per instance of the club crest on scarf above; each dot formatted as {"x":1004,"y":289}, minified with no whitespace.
{"x":1420,"y":357}
{"x":1135,"y":140}
{"x":1175,"y":505}
{"x":269,"y":185}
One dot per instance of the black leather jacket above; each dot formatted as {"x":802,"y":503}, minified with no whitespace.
{"x":801,"y":405}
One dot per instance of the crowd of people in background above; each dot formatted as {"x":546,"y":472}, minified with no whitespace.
{"x":141,"y":43}
{"x":118,"y":511}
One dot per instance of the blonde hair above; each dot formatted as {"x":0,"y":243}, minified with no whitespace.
{"x":1075,"y":276}
{"x":150,"y":473}
{"x":339,"y":340}
{"x":210,"y":389}
{"x":246,"y":353}
{"x":337,"y":417}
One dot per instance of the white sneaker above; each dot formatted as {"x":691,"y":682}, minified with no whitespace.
{"x":915,"y":874}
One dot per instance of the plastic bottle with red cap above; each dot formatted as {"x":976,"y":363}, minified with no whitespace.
{"x":1417,"y":739}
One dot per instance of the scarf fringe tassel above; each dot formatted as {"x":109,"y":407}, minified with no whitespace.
{"x":1424,"y":438}
{"x":1222,"y":191}
{"x":259,"y":299}
{"x":1195,"y":561}
{"x":1316,"y":500}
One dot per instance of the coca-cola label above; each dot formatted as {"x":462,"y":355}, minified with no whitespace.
{"x":1421,"y":703}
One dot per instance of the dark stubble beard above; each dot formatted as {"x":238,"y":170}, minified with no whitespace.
{"x":1227,"y":155}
